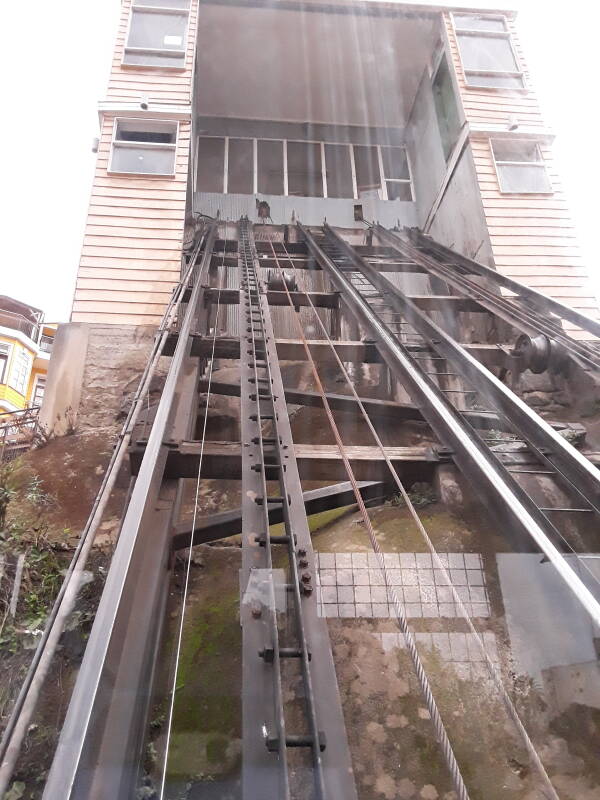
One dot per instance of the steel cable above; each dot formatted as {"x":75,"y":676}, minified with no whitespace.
{"x":438,"y":725}
{"x":191,"y":545}
{"x":495,"y":674}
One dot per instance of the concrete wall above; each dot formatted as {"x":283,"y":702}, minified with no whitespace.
{"x":94,"y":372}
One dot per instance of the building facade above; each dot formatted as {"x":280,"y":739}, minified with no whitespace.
{"x":25,"y":347}
{"x":413,"y":115}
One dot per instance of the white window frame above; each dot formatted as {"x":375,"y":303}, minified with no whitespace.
{"x":470,"y":75}
{"x":144,"y":145}
{"x":408,"y":180}
{"x":5,"y":372}
{"x":141,"y":8}
{"x":255,"y":140}
{"x":39,"y":377}
{"x":14,"y":378}
{"x":541,"y":163}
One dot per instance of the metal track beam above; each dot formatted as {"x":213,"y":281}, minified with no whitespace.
{"x":103,"y":728}
{"x":499,"y":491}
{"x":223,"y":460}
{"x":361,"y":352}
{"x":229,"y":523}
{"x":540,"y":301}
{"x":537,"y":432}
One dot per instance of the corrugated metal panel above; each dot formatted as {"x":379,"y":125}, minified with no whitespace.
{"x":309,"y":210}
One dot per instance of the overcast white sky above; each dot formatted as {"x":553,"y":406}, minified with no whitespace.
{"x":55,"y":60}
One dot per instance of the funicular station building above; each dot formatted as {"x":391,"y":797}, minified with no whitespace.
{"x":344,"y":221}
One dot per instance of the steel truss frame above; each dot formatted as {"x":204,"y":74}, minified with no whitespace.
{"x":504,"y":496}
{"x":103,"y":732}
{"x":268,"y":771}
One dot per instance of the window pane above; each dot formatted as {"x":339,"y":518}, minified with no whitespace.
{"x":240,"y":167}
{"x":270,"y":167}
{"x":366,"y":162}
{"x":487,"y":52}
{"x":474,"y":23}
{"x":211,"y":164}
{"x":499,"y":81}
{"x":523,"y":179}
{"x":398,"y":190}
{"x":146,"y":131}
{"x":516,"y":151}
{"x":163,"y":3}
{"x":338,"y":170}
{"x":158,"y":31}
{"x":174,"y":59}
{"x":395,"y":162}
{"x":149,"y":160}
{"x":446,"y":108}
{"x":305,"y":178}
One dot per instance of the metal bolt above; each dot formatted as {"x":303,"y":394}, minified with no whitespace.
{"x":256,"y":611}
{"x":301,"y":552}
{"x":303,"y":563}
{"x":305,"y":577}
{"x":307,"y":590}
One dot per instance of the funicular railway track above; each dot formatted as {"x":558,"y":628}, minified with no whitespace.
{"x":294,"y":740}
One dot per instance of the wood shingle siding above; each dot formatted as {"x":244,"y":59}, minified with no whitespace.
{"x":131,"y":254}
{"x":532,"y":235}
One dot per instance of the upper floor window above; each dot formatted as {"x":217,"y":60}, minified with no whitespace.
{"x":520,"y":167}
{"x":20,"y":371}
{"x":295,"y":168}
{"x":144,"y":147}
{"x":486,"y":52}
{"x":446,"y":108}
{"x":38,"y":392}
{"x":4,"y":354}
{"x":157,"y":34}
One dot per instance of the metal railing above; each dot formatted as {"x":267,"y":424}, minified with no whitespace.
{"x":17,"y":322}
{"x":19,"y":432}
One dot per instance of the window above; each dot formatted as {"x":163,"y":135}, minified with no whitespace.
{"x":486,"y":52}
{"x":269,"y":167}
{"x":520,"y":167}
{"x":305,"y":174}
{"x":396,"y":173}
{"x":368,"y":176}
{"x":237,"y":165}
{"x":157,"y":34}
{"x":338,"y":170}
{"x":446,"y":109}
{"x":240,"y":166}
{"x":20,"y":372}
{"x":144,"y":147}
{"x":211,"y":164}
{"x":38,"y":392}
{"x":4,"y":354}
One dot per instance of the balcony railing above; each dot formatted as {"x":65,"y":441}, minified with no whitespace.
{"x":19,"y":323}
{"x":19,"y":432}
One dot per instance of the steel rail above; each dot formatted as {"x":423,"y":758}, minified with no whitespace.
{"x":332,"y":769}
{"x":528,"y":320}
{"x":492,"y":669}
{"x":502,"y":493}
{"x":581,"y":474}
{"x":188,"y":568}
{"x":26,"y":701}
{"x":547,"y":303}
{"x":76,"y":731}
{"x":409,"y":638}
{"x":250,"y":294}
